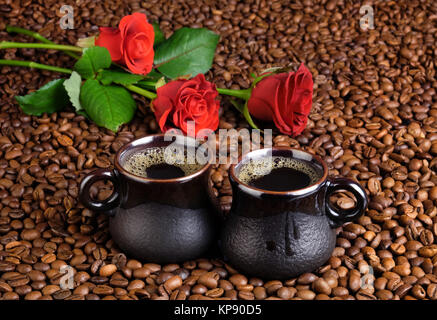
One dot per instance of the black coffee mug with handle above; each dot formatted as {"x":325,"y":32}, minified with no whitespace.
{"x":155,"y":220}
{"x":281,"y":234}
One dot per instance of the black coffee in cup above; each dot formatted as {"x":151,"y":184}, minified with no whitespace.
{"x":279,"y":174}
{"x":160,"y":163}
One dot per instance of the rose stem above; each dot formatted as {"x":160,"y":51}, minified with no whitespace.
{"x":8,"y":45}
{"x":242,"y":94}
{"x":32,"y":64}
{"x":143,"y":92}
{"x":37,"y":36}
{"x":36,"y":65}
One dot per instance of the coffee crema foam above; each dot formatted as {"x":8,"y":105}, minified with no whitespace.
{"x":254,"y":169}
{"x":138,"y":162}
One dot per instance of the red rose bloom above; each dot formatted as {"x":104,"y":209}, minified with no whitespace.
{"x":285,"y":98}
{"x":131,"y":44}
{"x":181,"y":101}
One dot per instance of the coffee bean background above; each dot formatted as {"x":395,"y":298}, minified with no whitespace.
{"x":373,"y":120}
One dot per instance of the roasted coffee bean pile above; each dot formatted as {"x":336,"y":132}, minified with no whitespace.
{"x":373,"y":120}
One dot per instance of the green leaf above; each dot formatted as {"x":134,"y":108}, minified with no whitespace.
{"x":108,"y":106}
{"x":86,"y":42}
{"x":93,"y":59}
{"x":146,"y":84}
{"x":124,"y":78}
{"x":268,"y":72}
{"x":72,"y":86}
{"x":49,"y":98}
{"x":160,"y":83}
{"x":159,"y":36}
{"x":153,"y":75}
{"x":187,"y":51}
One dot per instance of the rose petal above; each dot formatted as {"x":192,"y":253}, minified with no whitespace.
{"x":191,"y":100}
{"x":277,"y":116}
{"x":139,"y":61}
{"x":261,"y":104}
{"x":135,"y":21}
{"x":137,"y":47}
{"x":110,"y":39}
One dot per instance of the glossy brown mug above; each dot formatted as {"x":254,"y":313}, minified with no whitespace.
{"x":157,"y":220}
{"x":281,"y":234}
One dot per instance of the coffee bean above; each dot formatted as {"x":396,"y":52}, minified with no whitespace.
{"x":306,"y":278}
{"x":402,"y":290}
{"x":135,"y":284}
{"x":18,"y":280}
{"x":238,"y":279}
{"x":210,"y":280}
{"x":61,"y":294}
{"x":384,"y":295}
{"x":285,"y":293}
{"x":64,"y":140}
{"x":10,"y":296}
{"x":246,"y":295}
{"x":141,"y":272}
{"x":322,"y":286}
{"x":365,"y":296}
{"x":173,"y":283}
{"x":272,"y":286}
{"x":107,"y":270}
{"x":34,"y":295}
{"x":306,"y":294}
{"x":119,"y":260}
{"x":50,"y":289}
{"x":103,"y":290}
{"x":345,"y":203}
{"x":4,"y":287}
{"x":215,"y":293}
{"x":178,"y":295}
{"x":183,"y":273}
{"x":428,"y":251}
{"x":199,"y":289}
{"x":418,"y":292}
{"x":431,"y":291}
{"x":48,"y":258}
{"x":153,"y":267}
{"x":83,"y":289}
{"x":260,"y":293}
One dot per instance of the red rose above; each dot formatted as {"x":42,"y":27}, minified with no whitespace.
{"x":181,"y":101}
{"x":285,"y":98}
{"x":131,"y":44}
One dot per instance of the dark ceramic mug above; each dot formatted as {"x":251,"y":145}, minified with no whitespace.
{"x":273,"y":234}
{"x":157,"y":220}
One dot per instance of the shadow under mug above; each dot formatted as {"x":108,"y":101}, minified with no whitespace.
{"x":281,"y":234}
{"x":157,"y":220}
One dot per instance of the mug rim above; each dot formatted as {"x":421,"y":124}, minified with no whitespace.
{"x":296,"y":192}
{"x":135,"y":177}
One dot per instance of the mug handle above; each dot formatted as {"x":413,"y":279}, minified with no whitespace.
{"x":107,"y":205}
{"x":339,"y":217}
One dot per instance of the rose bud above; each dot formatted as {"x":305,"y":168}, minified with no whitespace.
{"x":131,"y":44}
{"x":285,"y":99}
